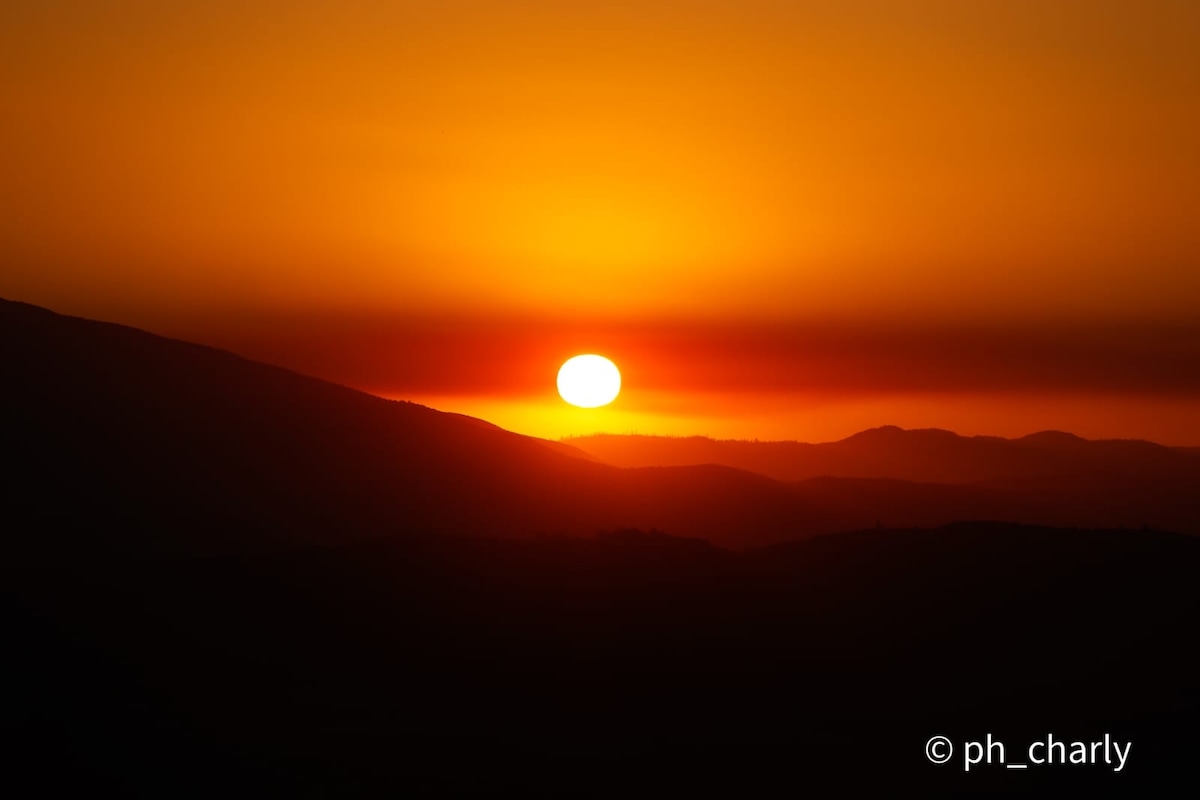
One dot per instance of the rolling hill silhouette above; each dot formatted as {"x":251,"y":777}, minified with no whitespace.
{"x":224,"y":578}
{"x":120,"y":441}
{"x":132,"y":435}
{"x":930,"y":477}
{"x":932,"y":456}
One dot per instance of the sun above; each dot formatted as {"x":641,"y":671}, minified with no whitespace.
{"x":589,"y":381}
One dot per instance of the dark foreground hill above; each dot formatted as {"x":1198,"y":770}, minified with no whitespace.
{"x":116,"y":440}
{"x":629,"y":665}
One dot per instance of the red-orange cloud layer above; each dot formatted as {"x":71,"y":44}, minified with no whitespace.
{"x":758,"y":381}
{"x":512,"y":357}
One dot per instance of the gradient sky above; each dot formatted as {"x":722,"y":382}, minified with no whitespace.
{"x":781,"y":219}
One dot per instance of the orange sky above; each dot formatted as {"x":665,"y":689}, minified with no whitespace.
{"x":783,"y":219}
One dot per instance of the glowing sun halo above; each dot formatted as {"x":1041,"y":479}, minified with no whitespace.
{"x":589,"y":381}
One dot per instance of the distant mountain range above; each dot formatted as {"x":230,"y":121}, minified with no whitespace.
{"x":120,"y":441}
{"x":930,"y":455}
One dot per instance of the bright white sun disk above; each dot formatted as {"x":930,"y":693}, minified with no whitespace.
{"x":589,"y":381}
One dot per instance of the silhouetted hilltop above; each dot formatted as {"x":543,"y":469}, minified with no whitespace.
{"x":120,"y":441}
{"x":929,"y":455}
{"x":175,"y":446}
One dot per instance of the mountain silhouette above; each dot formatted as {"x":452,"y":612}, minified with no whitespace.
{"x":931,"y":455}
{"x":223,"y":578}
{"x":931,"y":477}
{"x":115,"y":436}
